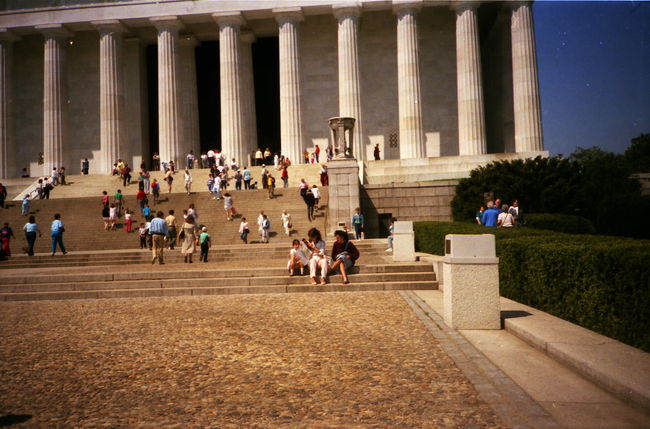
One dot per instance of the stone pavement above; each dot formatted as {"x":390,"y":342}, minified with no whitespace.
{"x":304,"y":360}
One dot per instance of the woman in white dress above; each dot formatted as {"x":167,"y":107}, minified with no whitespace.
{"x":227,"y":205}
{"x":189,"y":232}
{"x":286,"y":222}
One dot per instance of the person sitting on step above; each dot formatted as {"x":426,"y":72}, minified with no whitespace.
{"x":297,"y":258}
{"x":344,"y":255}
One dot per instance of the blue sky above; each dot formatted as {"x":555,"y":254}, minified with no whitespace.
{"x":594,"y":73}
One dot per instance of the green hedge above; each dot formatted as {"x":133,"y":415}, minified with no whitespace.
{"x":599,"y":282}
{"x":560,"y":223}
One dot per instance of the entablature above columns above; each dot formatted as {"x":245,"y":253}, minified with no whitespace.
{"x":109,"y":26}
{"x":55,"y":31}
{"x":229,"y":18}
{"x":288,"y":14}
{"x":344,"y":10}
{"x":167,"y":23}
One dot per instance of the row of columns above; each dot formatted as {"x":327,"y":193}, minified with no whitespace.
{"x":177,"y":91}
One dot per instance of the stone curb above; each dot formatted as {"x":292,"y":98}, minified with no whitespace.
{"x":618,"y":368}
{"x":510,"y":402}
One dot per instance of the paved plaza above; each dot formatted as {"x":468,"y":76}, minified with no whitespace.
{"x":304,"y":360}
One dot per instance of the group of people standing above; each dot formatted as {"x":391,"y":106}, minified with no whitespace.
{"x":500,"y":215}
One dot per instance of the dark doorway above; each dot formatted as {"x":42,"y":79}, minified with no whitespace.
{"x":266,"y":74}
{"x":152,"y":92}
{"x":208,"y":86}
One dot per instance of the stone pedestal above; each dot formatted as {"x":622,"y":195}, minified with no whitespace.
{"x":403,"y":242}
{"x":471,"y":273}
{"x":343,"y":192}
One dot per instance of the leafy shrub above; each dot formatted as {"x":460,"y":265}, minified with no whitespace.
{"x":560,"y":223}
{"x":599,"y":282}
{"x":637,"y":154}
{"x":624,"y":214}
{"x":603,"y":286}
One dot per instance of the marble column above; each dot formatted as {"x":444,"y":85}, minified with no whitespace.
{"x":411,"y":134}
{"x":528,"y":120}
{"x":7,"y":138}
{"x":471,"y":117}
{"x":349,"y":81}
{"x":170,"y":147}
{"x":248,"y":93}
{"x":291,"y":127}
{"x":55,"y":96}
{"x":111,"y":93}
{"x":232,"y":106}
{"x":189,"y":97}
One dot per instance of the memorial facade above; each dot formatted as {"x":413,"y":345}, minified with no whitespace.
{"x":422,"y":79}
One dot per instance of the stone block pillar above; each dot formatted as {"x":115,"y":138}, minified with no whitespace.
{"x":291,"y":127}
{"x":403,"y":242}
{"x":189,"y":97}
{"x":7,"y":142}
{"x":471,"y":288}
{"x":232,"y":106}
{"x":55,"y":96}
{"x":411,"y":133}
{"x":471,"y":119}
{"x":111,"y":93}
{"x":248,"y":95}
{"x":343,"y":192}
{"x":349,"y":80}
{"x":528,"y":118}
{"x":170,"y":131}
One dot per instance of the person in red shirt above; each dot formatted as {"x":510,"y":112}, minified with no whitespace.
{"x":316,"y":152}
{"x":105,"y":199}
{"x":141,"y":198}
{"x":285,"y":176}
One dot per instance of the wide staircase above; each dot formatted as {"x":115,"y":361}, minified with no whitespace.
{"x":110,"y":264}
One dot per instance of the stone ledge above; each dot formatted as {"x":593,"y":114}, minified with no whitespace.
{"x":616,"y":367}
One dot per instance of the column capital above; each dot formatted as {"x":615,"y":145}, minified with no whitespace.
{"x":401,"y":7}
{"x":344,"y":10}
{"x":462,"y":5}
{"x":512,"y":5}
{"x":6,"y":35}
{"x":109,"y":26}
{"x":188,"y":40}
{"x":288,"y":14}
{"x":248,"y":37}
{"x":229,"y":18}
{"x":166,"y":23}
{"x":56,"y":31}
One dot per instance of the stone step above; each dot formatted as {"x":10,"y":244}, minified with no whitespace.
{"x":196,"y":273}
{"x":212,"y":282}
{"x":219,"y":290}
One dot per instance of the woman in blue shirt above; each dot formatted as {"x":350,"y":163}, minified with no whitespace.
{"x":31,"y":228}
{"x":56,"y":233}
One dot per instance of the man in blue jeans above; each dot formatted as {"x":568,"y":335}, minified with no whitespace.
{"x":56,"y":233}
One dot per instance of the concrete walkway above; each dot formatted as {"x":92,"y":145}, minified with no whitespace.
{"x":572,"y":400}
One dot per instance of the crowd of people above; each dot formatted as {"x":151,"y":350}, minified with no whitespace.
{"x":500,"y":215}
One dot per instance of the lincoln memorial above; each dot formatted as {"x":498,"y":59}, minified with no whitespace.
{"x":123,"y":79}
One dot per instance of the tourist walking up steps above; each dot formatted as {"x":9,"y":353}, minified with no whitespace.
{"x":311,"y":202}
{"x":247,"y":178}
{"x":24,"y":208}
{"x":286,"y":222}
{"x":171,"y":228}
{"x":188,"y":182}
{"x":244,"y":230}
{"x":266,"y":228}
{"x":158,"y":231}
{"x":169,"y":178}
{"x":205,"y":242}
{"x":56,"y":234}
{"x":31,"y":229}
{"x":128,"y":220}
{"x":6,"y":234}
{"x":189,"y":236}
{"x":228,"y":206}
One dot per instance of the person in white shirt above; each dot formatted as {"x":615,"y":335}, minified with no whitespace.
{"x":260,"y":221}
{"x":55,"y":177}
{"x":316,"y":193}
{"x":286,"y":222}
{"x":244,"y":230}
{"x":210,"y":158}
{"x":297,"y":258}
{"x":216,"y":187}
{"x":233,"y":165}
{"x":188,"y":181}
{"x":505,"y":219}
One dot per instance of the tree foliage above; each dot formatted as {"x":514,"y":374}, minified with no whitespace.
{"x":590,"y":183}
